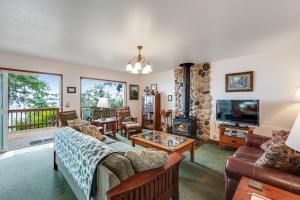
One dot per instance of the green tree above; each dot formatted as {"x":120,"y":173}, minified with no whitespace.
{"x":91,"y":97}
{"x":27,"y":91}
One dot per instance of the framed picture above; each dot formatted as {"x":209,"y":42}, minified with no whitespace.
{"x":170,"y":97}
{"x":153,"y":86}
{"x":133,"y":92}
{"x":71,"y":89}
{"x":239,"y":82}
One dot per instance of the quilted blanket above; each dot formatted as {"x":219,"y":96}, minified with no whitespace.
{"x":80,"y":154}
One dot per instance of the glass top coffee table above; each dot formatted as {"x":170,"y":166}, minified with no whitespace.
{"x":164,"y":141}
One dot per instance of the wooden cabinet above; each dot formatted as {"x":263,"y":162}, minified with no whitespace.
{"x":151,"y":111}
{"x":233,"y":141}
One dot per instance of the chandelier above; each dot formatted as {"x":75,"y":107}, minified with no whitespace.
{"x":139,"y":64}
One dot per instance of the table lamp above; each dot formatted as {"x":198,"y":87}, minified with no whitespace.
{"x":293,"y":140}
{"x":103,"y":102}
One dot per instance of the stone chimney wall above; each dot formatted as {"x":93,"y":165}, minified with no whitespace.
{"x":200,"y":97}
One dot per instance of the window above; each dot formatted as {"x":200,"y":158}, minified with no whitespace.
{"x":34,"y":100}
{"x":94,"y":89}
{"x":28,"y":91}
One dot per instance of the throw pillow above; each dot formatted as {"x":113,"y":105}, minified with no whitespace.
{"x":278,"y":138}
{"x":91,"y":130}
{"x":127,"y":119}
{"x":145,"y":160}
{"x":279,"y":156}
{"x":76,"y":123}
{"x":119,"y":165}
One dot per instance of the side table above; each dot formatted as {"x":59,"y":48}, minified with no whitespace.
{"x":104,"y":123}
{"x":244,"y":192}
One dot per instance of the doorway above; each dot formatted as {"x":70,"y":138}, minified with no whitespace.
{"x":33,"y":102}
{"x":3,"y":112}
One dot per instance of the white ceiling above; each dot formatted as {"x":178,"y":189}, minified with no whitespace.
{"x":105,"y":33}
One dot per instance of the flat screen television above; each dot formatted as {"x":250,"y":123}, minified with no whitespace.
{"x":238,"y":112}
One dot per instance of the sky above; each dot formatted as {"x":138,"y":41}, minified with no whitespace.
{"x":53,"y":81}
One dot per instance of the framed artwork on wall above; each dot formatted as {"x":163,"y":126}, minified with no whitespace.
{"x":133,"y":92}
{"x":239,"y":82}
{"x":170,"y":97}
{"x":153,"y":86}
{"x":71,"y":89}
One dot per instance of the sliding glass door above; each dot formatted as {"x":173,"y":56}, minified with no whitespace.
{"x":3,"y":112}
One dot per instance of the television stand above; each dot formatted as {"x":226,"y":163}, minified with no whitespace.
{"x":233,"y":136}
{"x":236,"y":125}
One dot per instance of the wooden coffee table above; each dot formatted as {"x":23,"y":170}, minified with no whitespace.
{"x":164,"y":141}
{"x":244,"y":192}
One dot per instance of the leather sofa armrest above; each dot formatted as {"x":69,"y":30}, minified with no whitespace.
{"x":236,"y":168}
{"x":255,"y":140}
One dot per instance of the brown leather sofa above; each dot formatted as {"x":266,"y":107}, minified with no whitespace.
{"x":243,"y":164}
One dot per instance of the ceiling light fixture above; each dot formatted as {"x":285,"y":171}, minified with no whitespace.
{"x":139,"y":64}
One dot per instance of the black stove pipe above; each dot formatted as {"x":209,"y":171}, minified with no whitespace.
{"x":186,"y":96}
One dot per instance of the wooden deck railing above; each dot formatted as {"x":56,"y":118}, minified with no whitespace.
{"x":24,"y":119}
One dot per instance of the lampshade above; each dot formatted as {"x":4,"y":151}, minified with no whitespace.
{"x":134,"y":71}
{"x":148,"y":67}
{"x":293,"y":140}
{"x":297,"y":96}
{"x":138,"y":66}
{"x":145,"y":71}
{"x":128,"y":67}
{"x":103,"y":102}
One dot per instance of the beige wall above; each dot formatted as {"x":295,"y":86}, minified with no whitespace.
{"x":71,"y":76}
{"x":275,"y":82}
{"x":165,"y":85}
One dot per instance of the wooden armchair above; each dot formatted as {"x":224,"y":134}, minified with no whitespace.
{"x":161,"y":183}
{"x":71,"y":115}
{"x":97,"y":113}
{"x":67,"y":115}
{"x":121,"y":114}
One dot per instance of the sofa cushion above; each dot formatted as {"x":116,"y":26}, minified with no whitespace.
{"x":119,"y":165}
{"x":248,"y":154}
{"x":91,"y":130}
{"x":278,"y":137}
{"x":107,"y":140}
{"x":133,"y":125}
{"x":76,"y":123}
{"x":143,"y":160}
{"x":121,"y":147}
{"x":124,"y":123}
{"x":279,"y":156}
{"x":127,"y":119}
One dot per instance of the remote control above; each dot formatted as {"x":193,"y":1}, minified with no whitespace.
{"x":256,"y":185}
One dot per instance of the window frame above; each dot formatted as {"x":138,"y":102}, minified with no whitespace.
{"x":20,"y":71}
{"x":101,"y":79}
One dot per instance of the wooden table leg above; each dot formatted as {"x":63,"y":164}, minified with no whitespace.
{"x":127,"y":131}
{"x":192,"y":153}
{"x":133,"y":142}
{"x":55,"y":165}
{"x":114,"y":129}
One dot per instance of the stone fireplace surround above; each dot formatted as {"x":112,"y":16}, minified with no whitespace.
{"x":200,"y":97}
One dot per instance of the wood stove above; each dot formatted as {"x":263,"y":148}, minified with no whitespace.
{"x":186,"y":125}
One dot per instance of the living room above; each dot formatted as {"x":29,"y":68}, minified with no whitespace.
{"x":202,"y":56}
